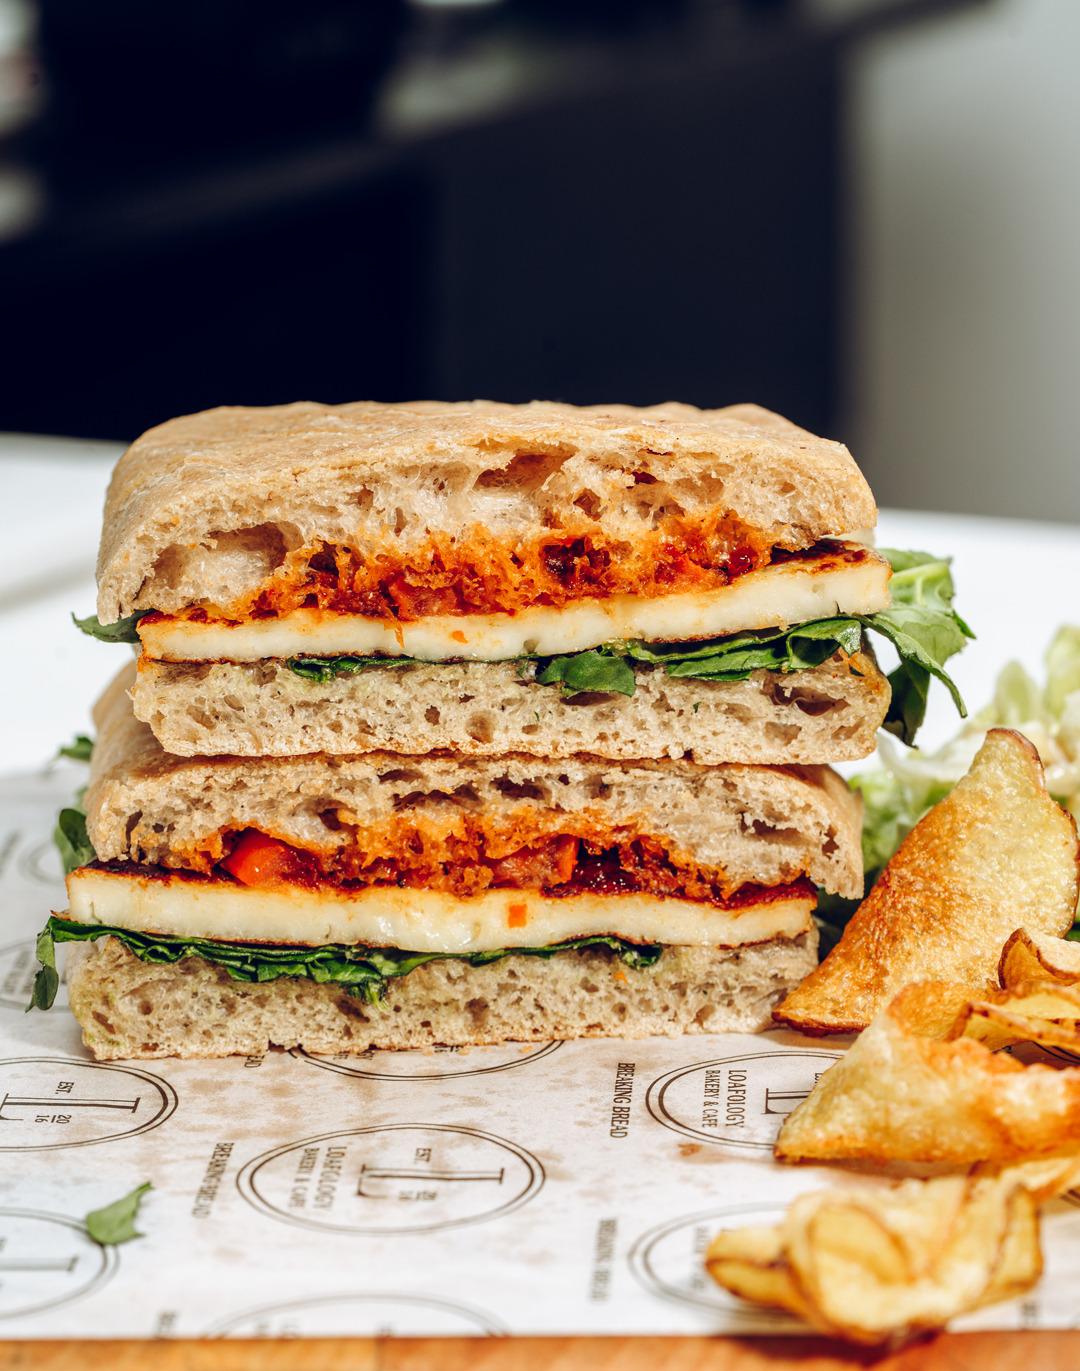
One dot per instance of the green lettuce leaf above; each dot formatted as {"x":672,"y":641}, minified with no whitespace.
{"x":323,"y":669}
{"x":123,"y":631}
{"x":46,"y":981}
{"x":72,"y":840}
{"x":115,"y":1223}
{"x":925,"y":630}
{"x":73,"y":844}
{"x":80,"y":749}
{"x":734,"y":658}
{"x":596,"y":670}
{"x":363,"y":971}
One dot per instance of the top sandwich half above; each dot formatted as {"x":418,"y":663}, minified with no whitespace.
{"x":368,"y":527}
{"x":581,"y":545}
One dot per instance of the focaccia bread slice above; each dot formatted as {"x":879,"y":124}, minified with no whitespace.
{"x":758,"y":825}
{"x":129,"y":1009}
{"x":413,"y":508}
{"x":828,"y":714}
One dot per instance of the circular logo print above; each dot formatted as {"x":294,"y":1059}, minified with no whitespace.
{"x":436,"y":1065}
{"x":46,"y":1261}
{"x":669,"y":1260}
{"x":736,"y":1101}
{"x":396,"y":1178}
{"x":48,"y":1102}
{"x":18,"y":966}
{"x":360,"y":1316}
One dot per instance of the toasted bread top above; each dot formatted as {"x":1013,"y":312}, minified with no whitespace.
{"x":225,"y":496}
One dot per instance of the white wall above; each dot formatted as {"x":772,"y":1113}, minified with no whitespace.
{"x":965,"y":353}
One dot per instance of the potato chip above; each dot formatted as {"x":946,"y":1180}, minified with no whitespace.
{"x":1046,"y":1178}
{"x":876,"y":1265}
{"x":750,"y":1263}
{"x":1035,"y":1012}
{"x":996,"y":851}
{"x":1032,"y":956}
{"x":1039,"y":1001}
{"x":908,"y":1091}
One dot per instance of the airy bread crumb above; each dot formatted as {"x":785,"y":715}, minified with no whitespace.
{"x":211,"y":505}
{"x":762,"y":825}
{"x":263,"y":709}
{"x":132,"y":1009}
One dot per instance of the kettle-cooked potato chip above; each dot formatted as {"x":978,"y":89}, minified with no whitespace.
{"x":995,"y":852}
{"x":907,"y":1090}
{"x":876,"y":1265}
{"x":1039,"y":1000}
{"x":751,"y":1263}
{"x":1045,"y":1178}
{"x":1034,"y":1012}
{"x":1032,"y":956}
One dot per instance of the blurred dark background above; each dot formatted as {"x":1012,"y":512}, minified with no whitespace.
{"x":250,"y":201}
{"x":596,"y":198}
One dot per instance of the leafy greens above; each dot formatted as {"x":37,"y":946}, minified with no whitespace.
{"x":717,"y":659}
{"x":323,"y":669}
{"x":123,"y":631}
{"x":47,"y":979}
{"x":925,"y":630}
{"x":115,"y":1223}
{"x":72,"y":840}
{"x":80,"y":749}
{"x":362,"y":971}
{"x":601,"y":670}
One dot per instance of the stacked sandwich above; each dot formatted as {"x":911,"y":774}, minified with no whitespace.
{"x":459,"y":723}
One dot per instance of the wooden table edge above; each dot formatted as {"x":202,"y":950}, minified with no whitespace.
{"x":1023,"y":1351}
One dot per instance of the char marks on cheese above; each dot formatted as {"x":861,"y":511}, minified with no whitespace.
{"x":836,"y":578}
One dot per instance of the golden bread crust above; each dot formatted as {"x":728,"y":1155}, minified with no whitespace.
{"x":218,"y":500}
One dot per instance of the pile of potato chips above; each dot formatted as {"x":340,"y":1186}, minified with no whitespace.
{"x":957,"y":952}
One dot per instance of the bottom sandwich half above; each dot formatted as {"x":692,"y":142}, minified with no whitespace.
{"x":194,"y":1008}
{"x":221,"y":906}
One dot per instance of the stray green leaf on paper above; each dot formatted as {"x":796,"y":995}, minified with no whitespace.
{"x":115,"y":1223}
